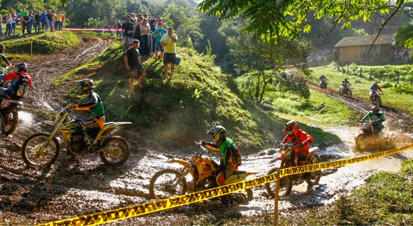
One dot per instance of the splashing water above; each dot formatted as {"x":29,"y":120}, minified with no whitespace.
{"x":25,"y":120}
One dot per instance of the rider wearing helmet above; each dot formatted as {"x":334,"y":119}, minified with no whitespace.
{"x":3,"y":58}
{"x":230,"y":154}
{"x":20,"y":83}
{"x":322,"y":78}
{"x":374,"y":88}
{"x":299,"y":138}
{"x":377,"y":117}
{"x":94,"y":105}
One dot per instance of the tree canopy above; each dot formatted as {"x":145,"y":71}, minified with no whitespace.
{"x":288,"y":18}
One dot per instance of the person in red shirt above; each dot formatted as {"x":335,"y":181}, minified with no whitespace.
{"x":20,"y":83}
{"x":299,"y":138}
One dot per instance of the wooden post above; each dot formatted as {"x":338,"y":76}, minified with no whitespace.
{"x":31,"y":47}
{"x":277,"y":190}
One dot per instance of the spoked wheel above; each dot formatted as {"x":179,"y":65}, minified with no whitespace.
{"x":10,"y":123}
{"x":115,"y":151}
{"x":286,"y":185}
{"x":37,"y":153}
{"x":349,"y":93}
{"x":167,"y":183}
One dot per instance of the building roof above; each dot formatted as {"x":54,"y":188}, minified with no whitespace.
{"x":365,"y":40}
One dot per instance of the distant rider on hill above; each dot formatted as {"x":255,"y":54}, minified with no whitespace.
{"x":299,"y":138}
{"x":344,"y":84}
{"x":323,"y":78}
{"x":374,"y":88}
{"x":377,"y":118}
{"x":20,"y":83}
{"x":95,"y":106}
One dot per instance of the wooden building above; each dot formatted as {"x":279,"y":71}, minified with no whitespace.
{"x":355,"y":48}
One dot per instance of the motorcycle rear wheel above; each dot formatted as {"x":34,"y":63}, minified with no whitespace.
{"x":36,"y":156}
{"x":161,"y":184}
{"x":116,"y":152}
{"x":9,"y":125}
{"x":286,"y":185}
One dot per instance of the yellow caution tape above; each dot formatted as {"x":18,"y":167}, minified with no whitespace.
{"x":169,"y":203}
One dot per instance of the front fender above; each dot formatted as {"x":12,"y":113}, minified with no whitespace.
{"x":182,"y":162}
{"x":49,"y":123}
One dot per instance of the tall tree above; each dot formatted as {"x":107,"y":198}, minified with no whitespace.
{"x":287,"y":18}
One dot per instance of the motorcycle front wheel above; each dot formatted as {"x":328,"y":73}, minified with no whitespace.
{"x":314,"y":177}
{"x":36,"y":154}
{"x":286,"y":185}
{"x":115,"y":151}
{"x":167,"y":183}
{"x":9,"y":124}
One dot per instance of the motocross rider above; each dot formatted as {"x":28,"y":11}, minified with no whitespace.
{"x":94,"y":105}
{"x":374,"y":89}
{"x":228,"y":164}
{"x":377,"y":117}
{"x":3,"y":58}
{"x":299,"y":138}
{"x":344,"y":84}
{"x":20,"y":82}
{"x":322,"y":78}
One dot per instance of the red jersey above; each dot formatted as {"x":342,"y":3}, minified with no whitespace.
{"x":14,"y":77}
{"x":299,"y":137}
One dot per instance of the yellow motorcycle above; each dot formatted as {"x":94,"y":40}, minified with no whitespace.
{"x":42,"y":149}
{"x":170,"y":182}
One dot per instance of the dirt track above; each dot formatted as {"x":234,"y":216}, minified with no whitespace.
{"x":71,"y":188}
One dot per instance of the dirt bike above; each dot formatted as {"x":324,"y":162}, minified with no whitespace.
{"x":42,"y":149}
{"x":346,"y":91}
{"x":323,"y":84}
{"x":369,"y":129}
{"x":287,"y":160}
{"x":8,"y":110}
{"x":376,"y":98}
{"x":170,"y":182}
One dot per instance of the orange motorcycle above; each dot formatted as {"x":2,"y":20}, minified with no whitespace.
{"x":287,"y":160}
{"x":171,"y":182}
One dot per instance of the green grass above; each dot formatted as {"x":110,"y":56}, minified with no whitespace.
{"x":181,"y":110}
{"x":42,"y":43}
{"x":361,"y":85}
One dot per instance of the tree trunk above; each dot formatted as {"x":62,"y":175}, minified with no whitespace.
{"x":257,"y":92}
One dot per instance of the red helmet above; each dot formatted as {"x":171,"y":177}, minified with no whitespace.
{"x":291,"y":127}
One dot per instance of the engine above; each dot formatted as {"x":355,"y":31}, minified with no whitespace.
{"x":77,"y":144}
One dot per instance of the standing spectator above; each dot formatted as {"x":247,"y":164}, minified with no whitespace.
{"x":137,"y":31}
{"x":145,"y":35}
{"x":44,"y":18}
{"x":59,"y":21}
{"x":9,"y":21}
{"x":25,"y":22}
{"x":19,"y":20}
{"x":37,"y":22}
{"x":169,"y":41}
{"x":153,"y":28}
{"x":127,"y":32}
{"x":133,"y":65}
{"x":50,"y":20}
{"x":158,"y":34}
{"x":1,"y":22}
{"x":30,"y":23}
{"x":165,"y":25}
{"x":14,"y":23}
{"x":63,"y":19}
{"x":23,"y":13}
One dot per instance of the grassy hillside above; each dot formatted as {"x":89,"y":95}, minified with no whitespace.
{"x":181,"y":110}
{"x":43,"y":43}
{"x":361,"y":83}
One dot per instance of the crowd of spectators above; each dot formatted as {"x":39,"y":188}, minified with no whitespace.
{"x":48,"y":20}
{"x":149,"y":36}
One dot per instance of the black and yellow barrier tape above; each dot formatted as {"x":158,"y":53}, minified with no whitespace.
{"x":169,"y":203}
